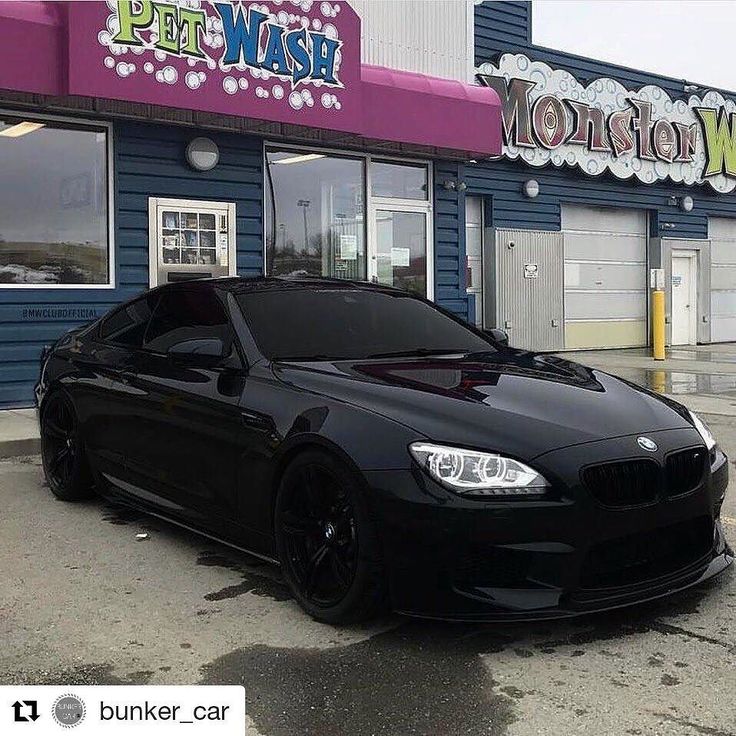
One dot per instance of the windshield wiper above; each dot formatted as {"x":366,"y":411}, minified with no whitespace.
{"x":418,"y":352}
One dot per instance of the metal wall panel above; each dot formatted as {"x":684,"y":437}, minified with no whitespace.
{"x":594,"y":305}
{"x":530,"y":309}
{"x":591,"y":276}
{"x":723,"y":276}
{"x":605,"y":283}
{"x":722,"y":233}
{"x":437,"y":38}
{"x":604,"y":220}
{"x":609,"y":246}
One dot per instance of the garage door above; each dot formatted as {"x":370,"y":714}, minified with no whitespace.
{"x":722,"y":233}
{"x":605,"y":277}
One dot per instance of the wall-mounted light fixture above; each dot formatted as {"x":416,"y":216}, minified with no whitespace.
{"x":686,"y":203}
{"x":531,"y":188}
{"x":454,"y":186}
{"x":202,"y":154}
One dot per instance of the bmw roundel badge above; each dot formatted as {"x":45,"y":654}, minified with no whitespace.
{"x":646,"y":444}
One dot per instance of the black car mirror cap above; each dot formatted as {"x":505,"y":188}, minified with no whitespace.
{"x":207,"y":351}
{"x":498,"y":335}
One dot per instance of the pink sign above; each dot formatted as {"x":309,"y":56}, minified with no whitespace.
{"x":290,"y":61}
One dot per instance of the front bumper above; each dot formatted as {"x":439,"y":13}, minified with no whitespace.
{"x":566,"y":555}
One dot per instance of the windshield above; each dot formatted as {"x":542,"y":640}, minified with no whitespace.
{"x":352,"y":324}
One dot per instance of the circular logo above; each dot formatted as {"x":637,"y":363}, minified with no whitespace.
{"x":646,"y":444}
{"x":68,"y":710}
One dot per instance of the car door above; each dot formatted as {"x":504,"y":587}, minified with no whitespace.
{"x":110,"y":413}
{"x":189,"y":428}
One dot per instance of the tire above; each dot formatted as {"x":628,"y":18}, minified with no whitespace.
{"x":327,"y":541}
{"x":62,"y":450}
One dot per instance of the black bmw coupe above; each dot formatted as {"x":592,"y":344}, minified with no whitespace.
{"x":383,"y":452}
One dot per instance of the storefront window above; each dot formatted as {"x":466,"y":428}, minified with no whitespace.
{"x":315,"y":223}
{"x":319,"y":221}
{"x":53,"y":204}
{"x":401,"y":181}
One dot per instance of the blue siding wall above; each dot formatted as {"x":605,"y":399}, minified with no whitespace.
{"x":148,"y":161}
{"x":505,"y":27}
{"x":498,"y":24}
{"x":449,"y":242}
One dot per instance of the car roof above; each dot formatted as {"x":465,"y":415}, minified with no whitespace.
{"x":246,"y":284}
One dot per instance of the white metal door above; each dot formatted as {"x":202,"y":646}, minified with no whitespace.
{"x":684,"y":297}
{"x":605,"y":277}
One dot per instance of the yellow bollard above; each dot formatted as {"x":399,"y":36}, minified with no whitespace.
{"x":658,"y":324}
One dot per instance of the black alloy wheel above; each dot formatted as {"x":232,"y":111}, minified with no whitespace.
{"x":62,"y":451}
{"x":326,"y":540}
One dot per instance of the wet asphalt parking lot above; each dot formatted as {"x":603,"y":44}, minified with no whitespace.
{"x":83,"y":602}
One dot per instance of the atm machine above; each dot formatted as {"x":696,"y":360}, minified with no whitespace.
{"x":190,"y":239}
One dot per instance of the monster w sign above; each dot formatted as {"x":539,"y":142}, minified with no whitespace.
{"x":550,"y":117}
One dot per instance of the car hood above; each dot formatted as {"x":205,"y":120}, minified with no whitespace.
{"x":512,"y":401}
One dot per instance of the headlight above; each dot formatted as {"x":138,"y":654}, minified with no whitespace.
{"x":471,"y":473}
{"x":703,"y":431}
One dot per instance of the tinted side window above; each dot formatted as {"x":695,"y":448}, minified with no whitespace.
{"x":127,"y":325}
{"x":185,"y":314}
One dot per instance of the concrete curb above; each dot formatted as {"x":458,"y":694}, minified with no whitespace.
{"x":19,"y":433}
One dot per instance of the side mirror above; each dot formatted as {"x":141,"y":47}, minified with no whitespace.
{"x":498,"y":335}
{"x":204,"y":352}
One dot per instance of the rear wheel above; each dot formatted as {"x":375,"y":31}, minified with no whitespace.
{"x":327,"y":542}
{"x":62,"y":452}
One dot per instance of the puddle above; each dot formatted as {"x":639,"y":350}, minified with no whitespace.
{"x":427,"y":679}
{"x":258,"y":578}
{"x":704,"y":356}
{"x":680,"y":382}
{"x":417,"y":679}
{"x":123,"y":515}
